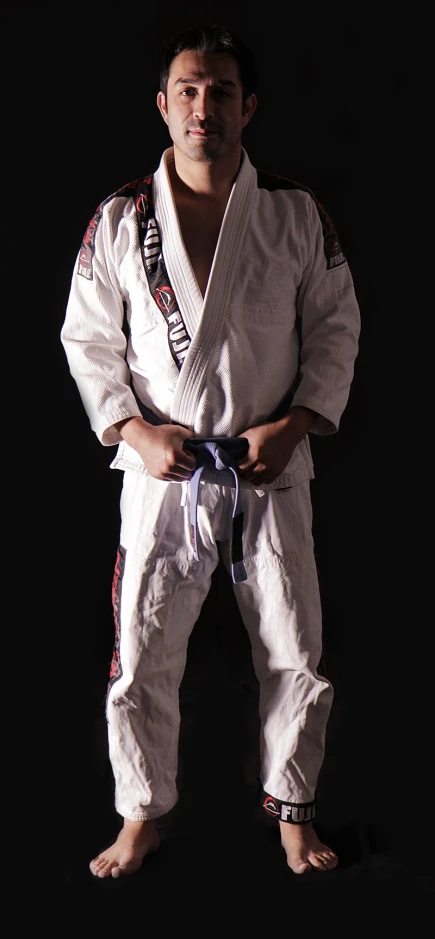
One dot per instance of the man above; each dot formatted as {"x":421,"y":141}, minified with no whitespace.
{"x":213,"y":301}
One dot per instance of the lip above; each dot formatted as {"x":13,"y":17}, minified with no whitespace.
{"x":203,"y":133}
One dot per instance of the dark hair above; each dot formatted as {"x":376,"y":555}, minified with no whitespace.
{"x":211,"y":38}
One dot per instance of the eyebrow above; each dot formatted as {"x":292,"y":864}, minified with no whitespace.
{"x":194,"y":81}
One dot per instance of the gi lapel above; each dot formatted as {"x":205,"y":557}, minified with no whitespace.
{"x":155,"y":269}
{"x":205,"y":319}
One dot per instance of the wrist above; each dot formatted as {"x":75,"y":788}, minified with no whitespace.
{"x":298,"y":421}
{"x":131,"y":428}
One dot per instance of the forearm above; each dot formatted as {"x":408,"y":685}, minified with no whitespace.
{"x":134,"y":430}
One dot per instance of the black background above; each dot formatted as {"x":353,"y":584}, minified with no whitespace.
{"x":339,"y":98}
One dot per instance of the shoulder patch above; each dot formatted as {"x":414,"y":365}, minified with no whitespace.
{"x":333,"y":251}
{"x":87,"y":248}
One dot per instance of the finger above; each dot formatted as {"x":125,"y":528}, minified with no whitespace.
{"x":185,"y":460}
{"x":250,"y":467}
{"x":180,"y":469}
{"x":187,"y":467}
{"x":252,"y":470}
{"x":177,"y":477}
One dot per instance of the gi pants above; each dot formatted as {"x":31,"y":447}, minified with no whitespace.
{"x":158,"y":592}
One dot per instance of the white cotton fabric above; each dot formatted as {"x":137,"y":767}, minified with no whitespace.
{"x":162,"y":592}
{"x":269,"y":268}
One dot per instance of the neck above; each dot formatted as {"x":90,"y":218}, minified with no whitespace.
{"x":204,"y":179}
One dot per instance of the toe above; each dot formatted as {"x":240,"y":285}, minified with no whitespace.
{"x":318,"y":862}
{"x":326,"y":862}
{"x":123,"y":870}
{"x":301,"y":867}
{"x":129,"y":868}
{"x":330,"y":858}
{"x":106,"y":869}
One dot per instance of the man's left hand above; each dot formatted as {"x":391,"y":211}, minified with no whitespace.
{"x":271,"y":445}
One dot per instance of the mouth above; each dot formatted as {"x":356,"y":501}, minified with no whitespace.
{"x":202,"y":133}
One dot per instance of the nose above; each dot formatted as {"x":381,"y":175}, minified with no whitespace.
{"x":203,"y":104}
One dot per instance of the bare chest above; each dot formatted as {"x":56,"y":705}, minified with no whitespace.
{"x":200,"y":231}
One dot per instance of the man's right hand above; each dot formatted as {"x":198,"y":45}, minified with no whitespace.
{"x":160,"y":448}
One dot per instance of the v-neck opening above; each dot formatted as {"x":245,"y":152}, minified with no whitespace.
{"x":182,"y":241}
{"x":204,"y":316}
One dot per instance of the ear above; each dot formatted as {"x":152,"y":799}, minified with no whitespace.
{"x":249,"y":108}
{"x":161,"y":104}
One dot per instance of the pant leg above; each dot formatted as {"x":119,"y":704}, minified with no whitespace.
{"x":280,"y":607}
{"x":158,"y":592}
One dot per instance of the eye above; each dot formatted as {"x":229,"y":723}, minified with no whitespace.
{"x":221,"y":93}
{"x":188,"y":91}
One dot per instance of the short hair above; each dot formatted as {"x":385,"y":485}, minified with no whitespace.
{"x":211,"y":38}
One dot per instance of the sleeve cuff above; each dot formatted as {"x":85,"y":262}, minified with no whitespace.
{"x":325,"y":423}
{"x":108,"y":433}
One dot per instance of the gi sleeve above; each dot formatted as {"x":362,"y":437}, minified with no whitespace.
{"x":329,"y":326}
{"x":92,"y":334}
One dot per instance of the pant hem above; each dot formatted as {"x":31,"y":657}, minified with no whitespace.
{"x":295,"y":813}
{"x":147,"y":815}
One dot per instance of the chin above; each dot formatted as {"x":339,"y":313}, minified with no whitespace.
{"x":204,"y":154}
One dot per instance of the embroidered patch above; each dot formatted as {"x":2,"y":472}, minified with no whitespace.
{"x":293,"y":812}
{"x":155,"y":269}
{"x":165,"y":299}
{"x":143,"y":198}
{"x":271,"y":806}
{"x":151,"y":249}
{"x":87,"y":249}
{"x":333,"y":251}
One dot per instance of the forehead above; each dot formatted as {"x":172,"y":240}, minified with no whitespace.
{"x":204,"y":67}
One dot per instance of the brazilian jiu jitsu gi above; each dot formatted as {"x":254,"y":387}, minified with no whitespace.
{"x":279,"y":313}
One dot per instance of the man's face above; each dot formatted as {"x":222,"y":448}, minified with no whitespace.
{"x":204,"y":107}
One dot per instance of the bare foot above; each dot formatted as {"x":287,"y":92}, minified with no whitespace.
{"x":135,"y":840}
{"x":304,"y":850}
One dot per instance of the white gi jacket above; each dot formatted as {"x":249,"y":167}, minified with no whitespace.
{"x":277,"y":259}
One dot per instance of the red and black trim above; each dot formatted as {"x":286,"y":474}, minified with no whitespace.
{"x":296,"y":813}
{"x":157,"y":275}
{"x":141,"y":191}
{"x":333,"y":251}
{"x":115,"y":666}
{"x":87,"y":249}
